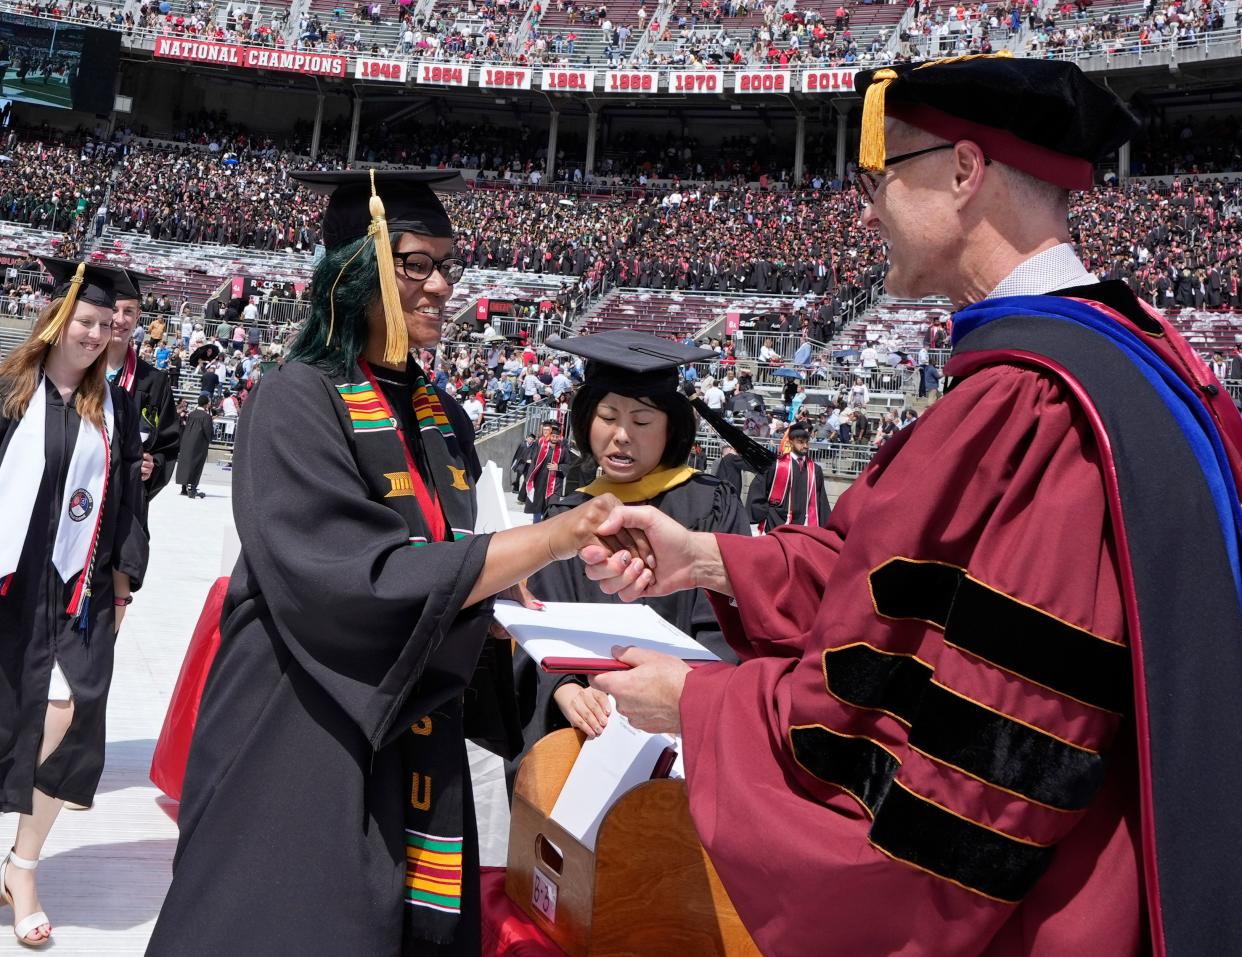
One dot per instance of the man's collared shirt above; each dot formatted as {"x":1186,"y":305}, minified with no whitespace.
{"x":1053,"y":269}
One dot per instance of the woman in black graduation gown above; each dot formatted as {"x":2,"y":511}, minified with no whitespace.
{"x":72,"y":548}
{"x":630,"y":419}
{"x":326,"y":806}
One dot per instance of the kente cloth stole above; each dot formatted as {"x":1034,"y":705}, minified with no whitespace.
{"x":442,"y":510}
{"x":781,"y":484}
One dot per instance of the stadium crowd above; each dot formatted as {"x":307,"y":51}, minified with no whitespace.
{"x":1179,"y":245}
{"x":1071,"y":30}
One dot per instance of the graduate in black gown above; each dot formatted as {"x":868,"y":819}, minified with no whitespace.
{"x":637,"y":428}
{"x":196,"y":436}
{"x":73,"y":547}
{"x":545,"y":475}
{"x":326,"y":807}
{"x":730,"y":468}
{"x":150,"y":388}
{"x":791,"y":491}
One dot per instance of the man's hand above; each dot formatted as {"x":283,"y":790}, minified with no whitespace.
{"x":148,"y":465}
{"x":680,"y":559}
{"x":649,"y":693}
{"x":570,"y":532}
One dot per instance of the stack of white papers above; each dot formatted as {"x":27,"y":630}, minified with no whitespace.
{"x":578,"y":636}
{"x":621,"y":758}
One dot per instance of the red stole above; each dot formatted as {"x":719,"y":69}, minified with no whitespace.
{"x":550,"y":485}
{"x":781,"y":485}
{"x":125,"y":374}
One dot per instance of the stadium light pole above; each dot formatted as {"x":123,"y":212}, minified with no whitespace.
{"x":842,"y":108}
{"x":592,"y":135}
{"x":353,"y":126}
{"x":550,"y":166}
{"x":318,"y":129}
{"x":799,"y":147}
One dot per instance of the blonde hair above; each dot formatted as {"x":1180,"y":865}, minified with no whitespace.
{"x":20,"y":371}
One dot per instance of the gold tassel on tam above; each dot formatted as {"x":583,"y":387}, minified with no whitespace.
{"x":397,"y":348}
{"x":51,"y":334}
{"x":871,"y":148}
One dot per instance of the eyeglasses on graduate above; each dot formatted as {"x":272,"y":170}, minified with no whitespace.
{"x":418,"y":266}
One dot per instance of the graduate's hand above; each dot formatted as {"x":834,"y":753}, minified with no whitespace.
{"x":587,"y":709}
{"x":578,"y":528}
{"x":680,"y":559}
{"x":519,"y":593}
{"x":148,"y":465}
{"x":649,"y":693}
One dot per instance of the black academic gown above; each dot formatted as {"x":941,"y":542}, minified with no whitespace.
{"x":336,"y":636}
{"x":774,"y":515}
{"x":523,"y":457}
{"x":195,"y":441}
{"x":729,"y":470}
{"x":158,"y":423}
{"x":537,"y":501}
{"x":35,"y":629}
{"x":703,"y":504}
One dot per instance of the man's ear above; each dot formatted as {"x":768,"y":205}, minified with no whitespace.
{"x":969,"y":161}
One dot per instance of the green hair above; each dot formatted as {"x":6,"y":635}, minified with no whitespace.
{"x":354,"y":291}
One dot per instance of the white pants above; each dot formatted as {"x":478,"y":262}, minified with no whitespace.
{"x":58,"y":689}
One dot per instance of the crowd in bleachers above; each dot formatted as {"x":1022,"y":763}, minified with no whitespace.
{"x":202,"y":20}
{"x":471,"y":31}
{"x":1177,"y":248}
{"x":957,"y":28}
{"x":1178,"y":245}
{"x":54,"y":186}
{"x":189,"y":195}
{"x":1077,"y":30}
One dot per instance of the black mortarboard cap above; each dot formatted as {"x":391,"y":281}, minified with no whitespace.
{"x":629,"y":362}
{"x":797,"y":431}
{"x":99,"y":284}
{"x":130,"y":284}
{"x":73,"y":282}
{"x":1044,"y":117}
{"x":410,"y":201}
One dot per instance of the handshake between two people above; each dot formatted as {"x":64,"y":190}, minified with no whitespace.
{"x":636,"y":552}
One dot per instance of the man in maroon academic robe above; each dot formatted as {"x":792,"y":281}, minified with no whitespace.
{"x":981,"y":713}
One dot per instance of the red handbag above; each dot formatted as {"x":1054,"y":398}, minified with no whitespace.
{"x":173,"y":747}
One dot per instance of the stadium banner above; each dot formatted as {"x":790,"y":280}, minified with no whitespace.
{"x":696,"y":81}
{"x":828,"y":81}
{"x":505,"y":78}
{"x":631,"y":81}
{"x":577,"y":81}
{"x":391,"y":71}
{"x":198,"y":51}
{"x":762,"y":81}
{"x":442,"y":74}
{"x":290,"y":61}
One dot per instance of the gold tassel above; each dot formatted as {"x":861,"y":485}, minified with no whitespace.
{"x":51,"y":334}
{"x":397,"y":347}
{"x":871,"y":148}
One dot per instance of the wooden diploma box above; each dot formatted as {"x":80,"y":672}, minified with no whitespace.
{"x":648,"y":888}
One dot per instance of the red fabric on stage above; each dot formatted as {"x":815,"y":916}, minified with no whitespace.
{"x":507,"y":932}
{"x":1001,"y":479}
{"x":173,"y":747}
